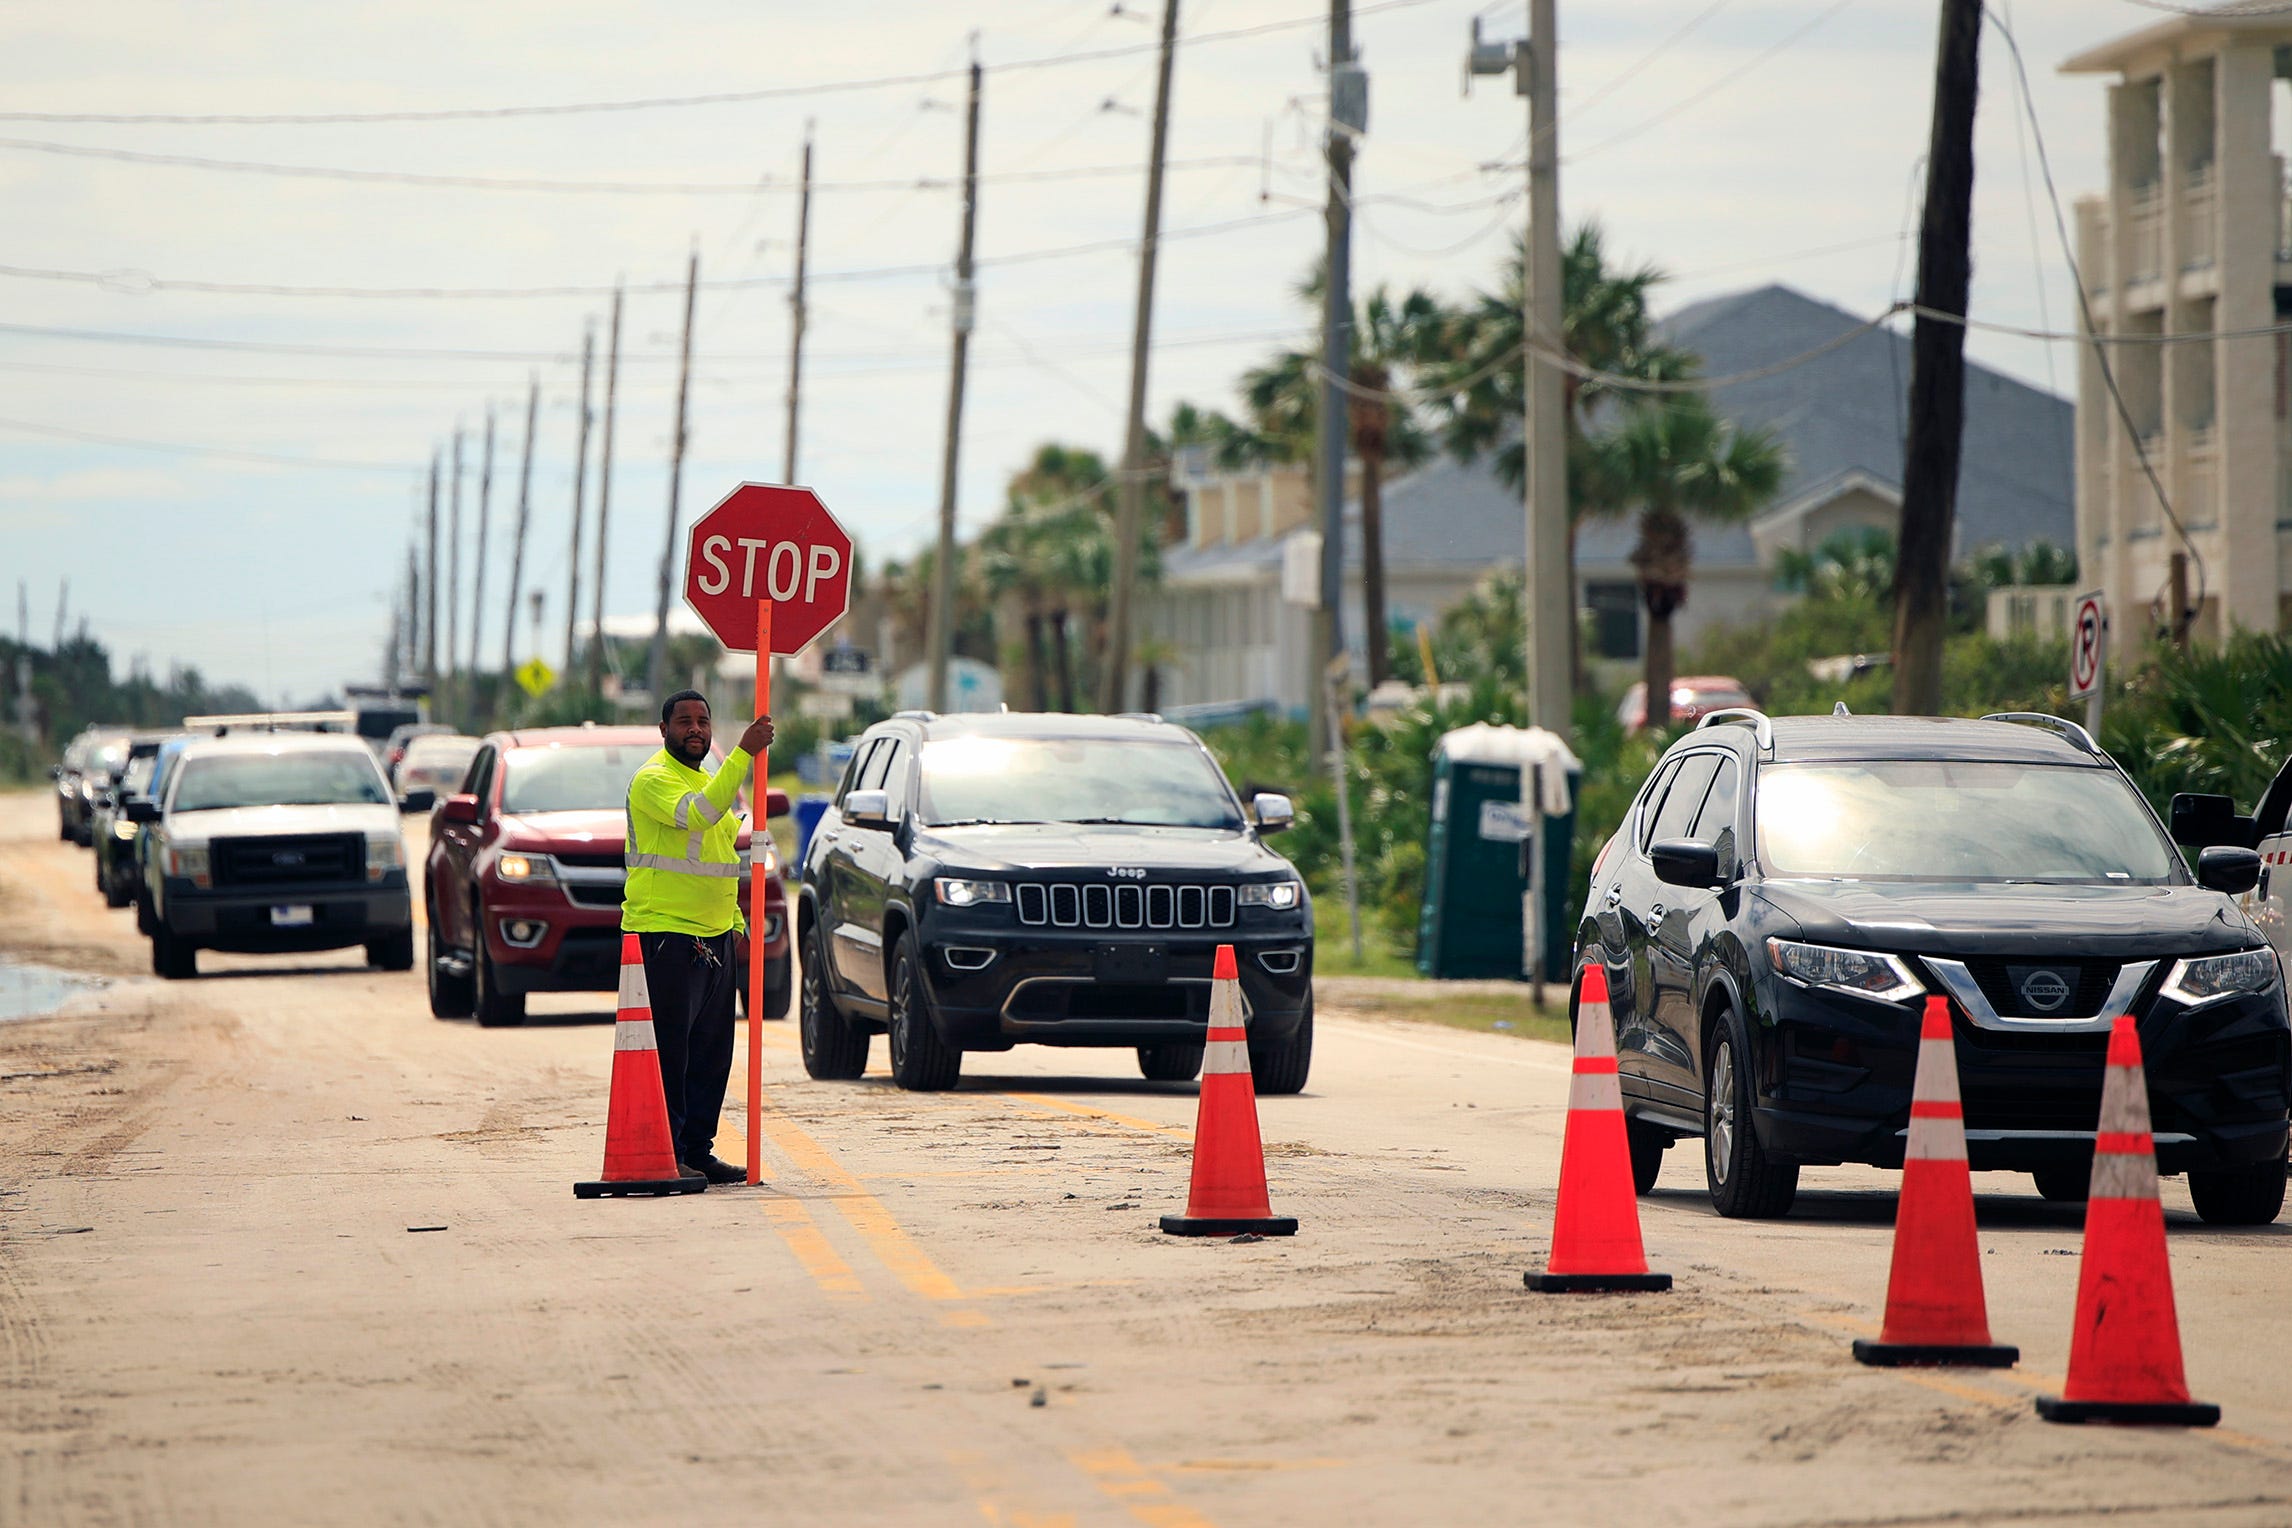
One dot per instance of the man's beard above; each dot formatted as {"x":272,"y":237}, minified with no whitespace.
{"x":690,"y":752}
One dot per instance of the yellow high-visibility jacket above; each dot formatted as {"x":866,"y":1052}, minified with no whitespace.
{"x":683,"y":848}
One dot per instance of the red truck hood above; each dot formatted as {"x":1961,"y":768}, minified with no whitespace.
{"x":571,"y":832}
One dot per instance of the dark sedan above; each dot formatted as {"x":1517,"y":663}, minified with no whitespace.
{"x":1785,"y":894}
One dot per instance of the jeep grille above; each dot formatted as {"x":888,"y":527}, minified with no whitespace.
{"x":1098,"y":905}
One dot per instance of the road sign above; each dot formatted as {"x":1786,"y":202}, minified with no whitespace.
{"x":534,"y":677}
{"x":2088,"y":646}
{"x":767,"y":542}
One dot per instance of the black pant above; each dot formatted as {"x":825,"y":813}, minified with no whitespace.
{"x":692,"y":1024}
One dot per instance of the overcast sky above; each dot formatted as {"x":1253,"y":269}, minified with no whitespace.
{"x":1731,"y":143}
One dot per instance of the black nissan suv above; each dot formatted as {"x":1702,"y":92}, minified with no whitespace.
{"x":983,"y":881}
{"x":1785,"y":894}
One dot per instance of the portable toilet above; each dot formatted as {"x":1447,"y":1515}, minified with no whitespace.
{"x":1503,"y":828}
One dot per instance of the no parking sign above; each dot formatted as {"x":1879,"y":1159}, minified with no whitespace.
{"x":2088,"y":646}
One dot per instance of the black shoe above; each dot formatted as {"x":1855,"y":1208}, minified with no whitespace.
{"x":687,"y":1170}
{"x":716,"y":1170}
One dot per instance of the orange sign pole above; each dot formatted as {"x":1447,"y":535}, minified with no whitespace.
{"x":759,"y":786}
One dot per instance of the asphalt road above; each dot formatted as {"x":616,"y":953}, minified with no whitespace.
{"x":216,"y":1305}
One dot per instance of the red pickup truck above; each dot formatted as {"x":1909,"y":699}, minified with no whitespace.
{"x":522,"y":885}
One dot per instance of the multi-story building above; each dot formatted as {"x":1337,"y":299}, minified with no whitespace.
{"x":2187,"y":264}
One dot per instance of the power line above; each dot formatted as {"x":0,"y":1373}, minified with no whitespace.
{"x":763,"y":184}
{"x":653,"y":103}
{"x":267,"y":458}
{"x":1688,"y":102}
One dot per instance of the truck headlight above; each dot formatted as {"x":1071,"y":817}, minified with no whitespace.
{"x":955,"y":893}
{"x":384,"y":855}
{"x":2212,"y":977}
{"x":189,"y":862}
{"x":1281,"y":896}
{"x":525,"y":869}
{"x":1865,"y":973}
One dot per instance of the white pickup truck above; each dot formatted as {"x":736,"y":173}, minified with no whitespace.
{"x":2270,"y":903}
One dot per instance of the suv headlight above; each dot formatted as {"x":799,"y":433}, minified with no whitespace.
{"x":955,"y":893}
{"x":384,"y":855}
{"x":525,"y":869}
{"x":1281,"y":896}
{"x":1865,"y":973}
{"x":2212,"y":977}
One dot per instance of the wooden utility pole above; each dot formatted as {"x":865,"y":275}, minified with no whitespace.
{"x":1348,"y":107}
{"x":796,"y":311}
{"x":524,"y":517}
{"x":410,"y":660}
{"x":430,"y":586}
{"x":1130,"y":493}
{"x":580,"y":486}
{"x":604,"y":500}
{"x":1937,"y":368}
{"x":1549,"y":600}
{"x":485,"y":522}
{"x":943,"y":572}
{"x":656,"y":664}
{"x":454,"y":563}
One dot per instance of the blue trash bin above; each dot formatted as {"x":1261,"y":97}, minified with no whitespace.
{"x":809,"y":810}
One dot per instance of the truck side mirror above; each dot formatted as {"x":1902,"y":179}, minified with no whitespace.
{"x":775,"y":802}
{"x":140,"y":810}
{"x":418,"y":800}
{"x":2201,"y":821}
{"x":459,"y":808}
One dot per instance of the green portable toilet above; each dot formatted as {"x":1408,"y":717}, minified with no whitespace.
{"x":1503,"y":808}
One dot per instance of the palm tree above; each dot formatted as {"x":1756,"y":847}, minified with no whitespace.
{"x":1053,"y":553}
{"x":1677,"y":460}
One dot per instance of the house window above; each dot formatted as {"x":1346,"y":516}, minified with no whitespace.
{"x":1615,"y":619}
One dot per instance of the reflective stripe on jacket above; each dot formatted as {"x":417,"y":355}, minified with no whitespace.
{"x":683,"y":848}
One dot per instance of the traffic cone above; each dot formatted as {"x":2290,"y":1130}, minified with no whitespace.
{"x":1228,"y":1195}
{"x":1934,"y":1308}
{"x":639,"y":1156}
{"x":1595,"y":1228}
{"x":2125,"y":1353}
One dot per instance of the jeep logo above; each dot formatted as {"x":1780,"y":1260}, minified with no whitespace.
{"x":2044,"y":990}
{"x":1128,"y":872}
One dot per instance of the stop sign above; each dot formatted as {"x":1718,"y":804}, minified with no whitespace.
{"x":760,"y":542}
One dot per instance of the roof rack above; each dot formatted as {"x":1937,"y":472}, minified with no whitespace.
{"x":2067,"y":729}
{"x":1761,"y":727}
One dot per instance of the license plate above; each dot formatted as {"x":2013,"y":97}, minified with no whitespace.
{"x":1139,"y":963}
{"x":296,"y":916}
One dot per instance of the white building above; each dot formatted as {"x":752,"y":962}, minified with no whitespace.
{"x":2192,"y":240}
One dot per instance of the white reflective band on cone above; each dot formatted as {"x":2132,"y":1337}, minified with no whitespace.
{"x":1937,"y":1079}
{"x":1595,"y":1039}
{"x":2124,"y":1102}
{"x":2123,"y":1175}
{"x":1596,"y":1090}
{"x":634,"y":992}
{"x":634,"y":1034}
{"x":1936,"y":1140}
{"x":1225,"y":1056}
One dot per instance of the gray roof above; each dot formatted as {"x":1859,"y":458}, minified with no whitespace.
{"x":1838,"y":415}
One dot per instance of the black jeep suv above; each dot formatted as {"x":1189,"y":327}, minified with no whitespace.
{"x":987,"y":880}
{"x":1785,"y":893}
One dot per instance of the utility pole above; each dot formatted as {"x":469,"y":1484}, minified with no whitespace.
{"x":796,"y":311}
{"x":580,"y":474}
{"x":1348,"y":115}
{"x":1130,"y":493}
{"x":657,"y":664}
{"x":412,"y":660}
{"x":604,"y":501}
{"x":1937,"y":368}
{"x":430,"y":586}
{"x":943,"y":572}
{"x":517,"y":550}
{"x":454,"y":566}
{"x":485,"y":520}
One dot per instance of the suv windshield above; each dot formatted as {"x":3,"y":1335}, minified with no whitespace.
{"x":1954,"y":820}
{"x":594,"y":779}
{"x":1087,"y":780}
{"x":329,"y":778}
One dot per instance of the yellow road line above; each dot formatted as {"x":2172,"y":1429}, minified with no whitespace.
{"x":1086,"y":1111}
{"x":867,"y":1215}
{"x":805,"y":1239}
{"x":1147,"y":1499}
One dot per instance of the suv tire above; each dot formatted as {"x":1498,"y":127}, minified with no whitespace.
{"x":1745,"y":1185}
{"x":1281,"y":1066}
{"x":494,"y":1008}
{"x":395,"y":953}
{"x":1171,"y":1061}
{"x":2063,"y":1185}
{"x":921,"y":1062}
{"x":450,"y":996}
{"x":171,"y":957}
{"x":1648,"y":1144}
{"x":2239,"y":1196}
{"x":834,"y":1051}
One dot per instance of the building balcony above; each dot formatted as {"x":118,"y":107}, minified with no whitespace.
{"x":2201,"y":490}
{"x":2146,"y":235}
{"x":2200,"y":220}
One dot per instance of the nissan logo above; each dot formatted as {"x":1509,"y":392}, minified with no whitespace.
{"x":2045,"y":990}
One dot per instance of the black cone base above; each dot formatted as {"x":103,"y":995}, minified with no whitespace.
{"x":1274,"y":1225}
{"x":2130,"y":1413}
{"x":1596,"y":1283}
{"x":1943,"y":1355}
{"x":633,"y":1188}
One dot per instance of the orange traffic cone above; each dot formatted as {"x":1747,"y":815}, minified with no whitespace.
{"x":1228,"y":1195}
{"x":1595,"y":1229}
{"x":1935,"y":1313}
{"x":639,"y":1157}
{"x":2125,"y":1354}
